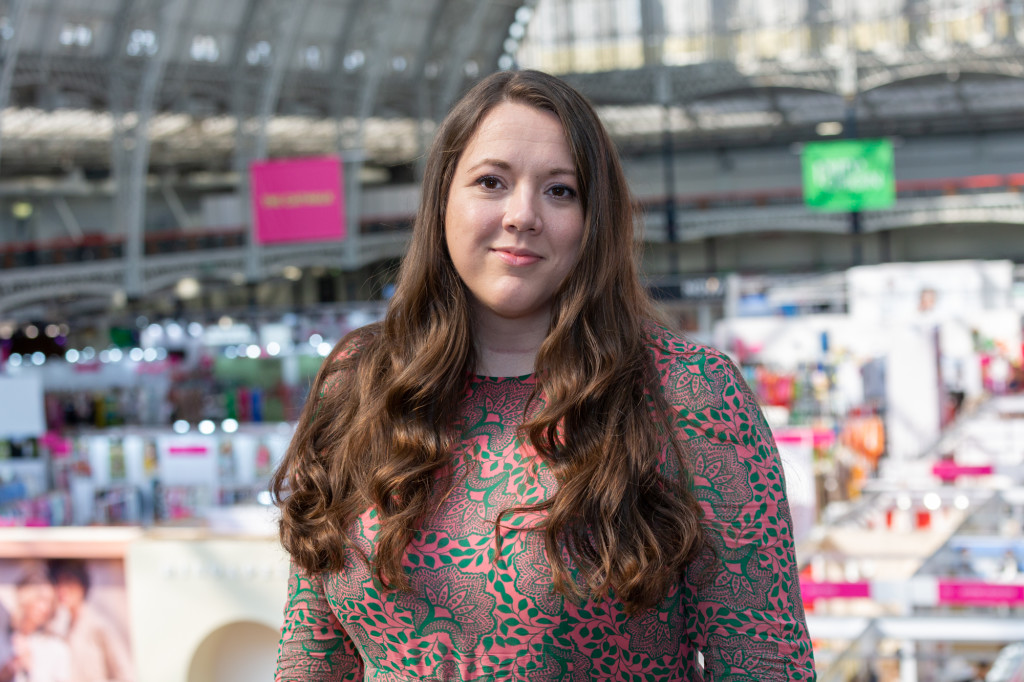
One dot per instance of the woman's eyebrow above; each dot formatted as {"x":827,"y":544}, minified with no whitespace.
{"x":505,"y":165}
{"x":497,"y":163}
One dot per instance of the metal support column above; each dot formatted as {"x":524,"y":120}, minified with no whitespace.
{"x":721,"y":12}
{"x":816,"y":19}
{"x":354,"y":154}
{"x":51,"y":36}
{"x":664,"y":94}
{"x":418,"y":76}
{"x":652,"y":24}
{"x":171,"y":16}
{"x":351,"y":160}
{"x":284,"y":46}
{"x":1015,"y":19}
{"x":454,"y":71}
{"x":915,"y":13}
{"x":117,"y":105}
{"x":19,"y":11}
{"x":848,"y":86}
{"x":240,"y":107}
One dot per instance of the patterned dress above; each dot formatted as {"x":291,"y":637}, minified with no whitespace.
{"x":471,"y":615}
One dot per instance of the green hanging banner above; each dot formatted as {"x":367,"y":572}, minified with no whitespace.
{"x":849,"y":175}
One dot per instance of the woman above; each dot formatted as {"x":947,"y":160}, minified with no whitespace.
{"x":39,"y":655}
{"x":517,"y":474}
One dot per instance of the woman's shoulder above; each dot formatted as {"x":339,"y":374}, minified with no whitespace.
{"x":354,"y":343}
{"x":692,"y":375}
{"x":343,"y":358}
{"x":669,"y":349}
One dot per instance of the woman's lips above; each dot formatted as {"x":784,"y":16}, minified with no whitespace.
{"x":516,"y":257}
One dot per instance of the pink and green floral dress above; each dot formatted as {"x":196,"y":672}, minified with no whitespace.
{"x":471,"y":615}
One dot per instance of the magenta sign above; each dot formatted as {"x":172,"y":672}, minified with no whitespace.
{"x":978,"y":593}
{"x":298,"y":200}
{"x":812,"y":589}
{"x":949,"y":471}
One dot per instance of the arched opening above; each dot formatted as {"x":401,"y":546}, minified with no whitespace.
{"x":237,"y":652}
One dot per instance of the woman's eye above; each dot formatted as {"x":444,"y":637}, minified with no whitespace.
{"x":562,"y":192}
{"x":489,"y":182}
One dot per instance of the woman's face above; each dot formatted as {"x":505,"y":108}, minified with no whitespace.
{"x":514,"y":220}
{"x":36,"y":603}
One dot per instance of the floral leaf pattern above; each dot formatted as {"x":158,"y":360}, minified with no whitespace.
{"x":475,"y":614}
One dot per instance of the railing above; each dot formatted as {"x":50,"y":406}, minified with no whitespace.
{"x":104,"y":246}
{"x":790,"y":196}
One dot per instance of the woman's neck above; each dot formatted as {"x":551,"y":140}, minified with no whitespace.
{"x":508,"y":347}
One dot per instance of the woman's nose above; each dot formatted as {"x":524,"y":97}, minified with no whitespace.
{"x":521,"y":211}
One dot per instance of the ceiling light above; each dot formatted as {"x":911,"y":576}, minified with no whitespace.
{"x":187,"y":288}
{"x":829,"y":128}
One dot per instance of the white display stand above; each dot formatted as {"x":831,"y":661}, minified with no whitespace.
{"x":912,"y":419}
{"x":21,"y":407}
{"x":205,"y":608}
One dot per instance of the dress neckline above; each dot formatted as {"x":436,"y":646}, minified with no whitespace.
{"x":522,"y":378}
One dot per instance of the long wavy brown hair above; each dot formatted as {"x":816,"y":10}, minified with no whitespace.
{"x":382,"y":421}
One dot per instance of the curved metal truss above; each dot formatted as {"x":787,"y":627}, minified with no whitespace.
{"x":719,"y":104}
{"x":231,"y":80}
{"x":243,"y":61}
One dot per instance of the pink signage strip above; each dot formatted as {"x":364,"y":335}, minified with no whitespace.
{"x":793,"y":435}
{"x":979,"y":593}
{"x":812,"y":589}
{"x":949,"y":470}
{"x":188,"y":450}
{"x":297,"y":200}
{"x":802,"y":435}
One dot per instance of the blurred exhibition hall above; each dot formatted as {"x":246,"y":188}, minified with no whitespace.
{"x":198,"y":198}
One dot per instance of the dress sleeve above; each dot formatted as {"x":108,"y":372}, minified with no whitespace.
{"x":747,"y":616}
{"x":314,"y":645}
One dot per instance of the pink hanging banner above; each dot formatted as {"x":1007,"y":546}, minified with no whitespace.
{"x":298,"y":200}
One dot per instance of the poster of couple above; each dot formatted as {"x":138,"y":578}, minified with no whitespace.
{"x":63,"y":620}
